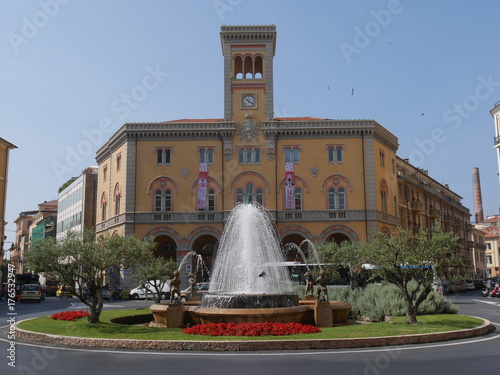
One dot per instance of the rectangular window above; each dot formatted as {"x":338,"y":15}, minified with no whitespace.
{"x":118,"y":162}
{"x":206,"y":155}
{"x":105,"y":173}
{"x":249,"y":155}
{"x":163,"y":155}
{"x":292,"y":154}
{"x":335,"y":153}
{"x":382,"y":158}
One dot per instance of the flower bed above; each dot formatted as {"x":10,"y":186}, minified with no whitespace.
{"x":250,"y":329}
{"x":70,"y":315}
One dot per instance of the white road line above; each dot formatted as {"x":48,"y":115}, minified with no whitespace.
{"x":489,"y":302}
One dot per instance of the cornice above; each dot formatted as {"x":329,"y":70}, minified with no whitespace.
{"x":166,"y":131}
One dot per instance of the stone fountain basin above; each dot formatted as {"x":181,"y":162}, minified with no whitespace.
{"x":204,"y":315}
{"x":249,"y":300}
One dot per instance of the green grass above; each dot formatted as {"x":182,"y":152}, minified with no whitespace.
{"x":106,"y":329}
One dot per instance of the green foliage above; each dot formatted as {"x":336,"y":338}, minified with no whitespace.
{"x":412,"y":256}
{"x":375,"y":302}
{"x":347,"y":255}
{"x":86,"y":261}
{"x":66,"y":184}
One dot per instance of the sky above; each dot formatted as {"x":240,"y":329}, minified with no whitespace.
{"x":72,"y":72}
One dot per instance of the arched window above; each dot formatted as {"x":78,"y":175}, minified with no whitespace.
{"x":117,"y":195}
{"x":211,"y":200}
{"x":298,"y":198}
{"x":248,"y":67}
{"x":331,"y":199}
{"x":250,"y":194}
{"x":336,"y":199}
{"x":259,"y":196}
{"x":239,"y":196}
{"x":117,"y":205}
{"x":104,"y":206}
{"x":163,"y":200}
{"x":341,"y":198}
{"x":383,"y":195}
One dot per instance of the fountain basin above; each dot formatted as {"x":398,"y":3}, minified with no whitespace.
{"x":297,"y":314}
{"x":250,"y":301}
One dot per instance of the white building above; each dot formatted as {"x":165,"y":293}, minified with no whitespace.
{"x":76,"y":204}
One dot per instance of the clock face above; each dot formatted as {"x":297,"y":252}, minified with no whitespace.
{"x":249,"y":101}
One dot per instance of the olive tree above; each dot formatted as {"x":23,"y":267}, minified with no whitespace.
{"x":408,"y":256}
{"x":85,"y":260}
{"x":154,"y":274}
{"x":346,"y":255}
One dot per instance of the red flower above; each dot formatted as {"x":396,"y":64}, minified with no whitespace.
{"x":251,"y":329}
{"x":70,"y":315}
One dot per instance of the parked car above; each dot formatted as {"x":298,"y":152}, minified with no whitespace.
{"x":148,"y":291}
{"x":201,"y":288}
{"x":106,"y":294}
{"x":469,"y":284}
{"x":31,"y":292}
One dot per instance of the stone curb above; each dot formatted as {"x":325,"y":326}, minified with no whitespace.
{"x":220,"y":346}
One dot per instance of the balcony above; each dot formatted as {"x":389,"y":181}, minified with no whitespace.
{"x":417,"y":206}
{"x":434,"y":213}
{"x":447,"y":219}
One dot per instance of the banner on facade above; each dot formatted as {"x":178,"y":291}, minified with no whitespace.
{"x":289,"y":176}
{"x":202,"y":186}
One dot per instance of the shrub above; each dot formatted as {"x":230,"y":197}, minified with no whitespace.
{"x":377,"y":301}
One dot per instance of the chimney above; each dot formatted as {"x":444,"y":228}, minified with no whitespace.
{"x":478,"y":200}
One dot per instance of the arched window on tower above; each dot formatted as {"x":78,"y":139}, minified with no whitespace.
{"x":238,"y":67}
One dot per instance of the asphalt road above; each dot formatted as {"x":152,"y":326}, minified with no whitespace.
{"x":472,"y":356}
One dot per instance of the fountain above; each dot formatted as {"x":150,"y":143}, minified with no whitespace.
{"x":249,"y":278}
{"x":250,"y":282}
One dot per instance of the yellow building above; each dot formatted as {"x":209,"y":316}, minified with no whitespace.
{"x":177,"y":181}
{"x":5,"y":148}
{"x":425,"y":203}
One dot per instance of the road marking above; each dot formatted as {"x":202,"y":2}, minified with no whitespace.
{"x":84,"y":306}
{"x":489,"y":302}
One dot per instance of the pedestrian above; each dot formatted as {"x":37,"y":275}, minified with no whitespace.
{"x":445,"y":285}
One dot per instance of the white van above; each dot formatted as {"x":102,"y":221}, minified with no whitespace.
{"x":149,"y":291}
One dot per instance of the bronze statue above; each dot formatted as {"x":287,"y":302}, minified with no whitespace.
{"x":309,"y":283}
{"x":175,"y":292}
{"x":321,"y":281}
{"x":192,"y":282}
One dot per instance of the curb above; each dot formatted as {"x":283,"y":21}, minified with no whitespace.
{"x":220,"y":346}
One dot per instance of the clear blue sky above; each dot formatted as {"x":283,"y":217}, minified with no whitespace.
{"x":428,"y":71}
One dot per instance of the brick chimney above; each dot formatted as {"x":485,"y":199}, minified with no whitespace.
{"x":478,"y":200}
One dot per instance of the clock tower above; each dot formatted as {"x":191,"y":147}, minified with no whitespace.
{"x":248,"y":72}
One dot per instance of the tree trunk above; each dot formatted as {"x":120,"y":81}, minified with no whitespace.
{"x":95,"y":308}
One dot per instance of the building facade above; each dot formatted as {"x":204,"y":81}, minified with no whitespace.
{"x":320,"y":179}
{"x":76,"y":205}
{"x":5,"y":148}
